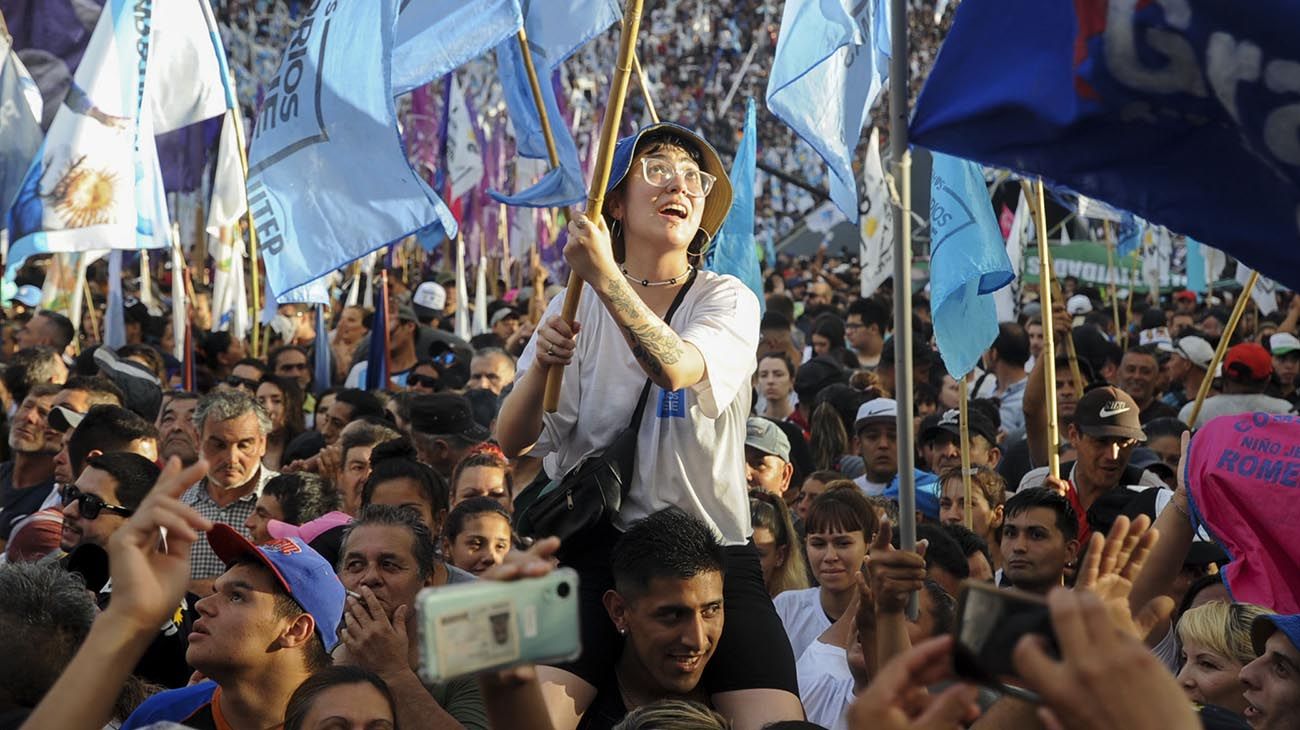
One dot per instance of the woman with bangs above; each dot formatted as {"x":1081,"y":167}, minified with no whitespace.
{"x":838,"y":531}
{"x":1215,"y":645}
{"x":667,"y":196}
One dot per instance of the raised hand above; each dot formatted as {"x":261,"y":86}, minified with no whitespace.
{"x":1110,"y":567}
{"x":895,"y":574}
{"x":897,"y":699}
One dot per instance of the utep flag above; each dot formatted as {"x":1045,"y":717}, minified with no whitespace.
{"x":95,"y":183}
{"x":832,"y":57}
{"x":555,"y":30}
{"x":1243,"y":480}
{"x":733,"y":251}
{"x":20,"y":123}
{"x":968,"y":262}
{"x":1182,"y":117}
{"x":434,"y":37}
{"x":328,"y":180}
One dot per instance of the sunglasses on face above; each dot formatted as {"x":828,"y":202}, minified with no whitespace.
{"x":235,"y":381}
{"x":91,"y":505}
{"x":425,"y":381}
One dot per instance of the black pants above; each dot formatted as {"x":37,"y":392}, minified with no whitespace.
{"x":753,"y":653}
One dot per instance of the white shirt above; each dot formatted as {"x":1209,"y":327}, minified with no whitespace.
{"x":1229,"y":404}
{"x":802,"y":615}
{"x":691,"y":445}
{"x":825,"y":685}
{"x":870,"y":488}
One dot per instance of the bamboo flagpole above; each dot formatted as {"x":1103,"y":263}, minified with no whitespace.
{"x":1113,"y":274}
{"x":600,"y":176}
{"x":644,"y":84}
{"x":1049,"y":332}
{"x":964,"y":424}
{"x":1222,"y":349}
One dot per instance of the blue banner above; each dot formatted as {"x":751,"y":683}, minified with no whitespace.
{"x":968,"y":262}
{"x":328,"y":179}
{"x":434,"y":37}
{"x":733,"y":251}
{"x":832,"y":57}
{"x":20,"y":125}
{"x":1183,"y":113}
{"x":1195,"y":266}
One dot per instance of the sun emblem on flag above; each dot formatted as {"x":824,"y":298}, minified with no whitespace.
{"x":870,"y":225}
{"x":83,"y":196}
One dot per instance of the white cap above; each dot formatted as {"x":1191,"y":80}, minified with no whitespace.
{"x":876,"y":410}
{"x":430,"y":295}
{"x":1282,"y":343}
{"x":1196,"y":349}
{"x":1078,"y":304}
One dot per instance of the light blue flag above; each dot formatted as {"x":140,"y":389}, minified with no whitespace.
{"x":733,"y":251}
{"x":555,"y":29}
{"x":434,"y":37}
{"x":968,"y":262}
{"x":328,"y":179}
{"x":832,"y":58}
{"x":95,"y":181}
{"x":1129,"y":237}
{"x":1195,"y":266}
{"x":20,"y":122}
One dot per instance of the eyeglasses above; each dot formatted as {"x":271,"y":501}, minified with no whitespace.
{"x":91,"y":505}
{"x":659,"y":173}
{"x":235,"y":381}
{"x":427,"y":381}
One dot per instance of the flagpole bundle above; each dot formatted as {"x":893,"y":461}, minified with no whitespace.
{"x":600,"y":176}
{"x":964,"y":399}
{"x":1222,"y":349}
{"x":1049,"y":332}
{"x":237,"y":117}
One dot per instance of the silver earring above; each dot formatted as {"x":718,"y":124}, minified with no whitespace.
{"x":622,"y":631}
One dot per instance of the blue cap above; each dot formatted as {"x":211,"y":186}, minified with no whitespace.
{"x":716,"y":206}
{"x":1265,"y":626}
{"x":927,"y":493}
{"x":28,"y":295}
{"x":307,"y":577}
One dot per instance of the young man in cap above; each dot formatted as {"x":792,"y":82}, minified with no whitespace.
{"x":270,"y":624}
{"x":941,"y":441}
{"x":1189,"y":358}
{"x":443,"y":429}
{"x":767,"y":457}
{"x":1285,"y":349}
{"x":1247,"y":370}
{"x":1139,"y":373}
{"x":1273,"y":679}
{"x":402,"y":326}
{"x":1100,"y":484}
{"x":875,"y":432}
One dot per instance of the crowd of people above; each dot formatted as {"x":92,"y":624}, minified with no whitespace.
{"x":247,"y":553}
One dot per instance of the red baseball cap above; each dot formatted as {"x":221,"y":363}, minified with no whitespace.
{"x":1185,"y":294}
{"x":1248,"y":361}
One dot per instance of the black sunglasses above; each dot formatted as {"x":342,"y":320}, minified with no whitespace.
{"x":235,"y":381}
{"x":91,"y":505}
{"x":427,"y":381}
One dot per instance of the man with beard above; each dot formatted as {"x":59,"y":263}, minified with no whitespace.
{"x":26,"y":481}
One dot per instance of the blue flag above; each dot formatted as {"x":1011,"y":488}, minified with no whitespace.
{"x":733,"y":251}
{"x":1195,"y":266}
{"x":328,"y":179}
{"x":1182,"y":117}
{"x":555,"y":30}
{"x":20,"y":124}
{"x":377,"y":358}
{"x":968,"y":262}
{"x":1128,"y":239}
{"x":832,"y":57}
{"x":434,"y":37}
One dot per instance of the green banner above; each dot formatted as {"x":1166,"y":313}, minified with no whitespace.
{"x":1087,"y":262}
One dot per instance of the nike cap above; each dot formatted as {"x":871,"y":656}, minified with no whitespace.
{"x":1107,"y":413}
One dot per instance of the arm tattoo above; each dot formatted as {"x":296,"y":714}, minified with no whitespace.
{"x":621,"y":296}
{"x":653,"y":342}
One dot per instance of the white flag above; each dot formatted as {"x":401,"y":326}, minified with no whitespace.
{"x":876,"y":246}
{"x":180,"y":305}
{"x":1264,"y":293}
{"x":187,"y":66}
{"x":481,"y":298}
{"x":229,"y":300}
{"x":462,"y":293}
{"x":1157,"y":246}
{"x":464,"y":160}
{"x":1097,"y":210}
{"x":229,"y":199}
{"x":1007,"y":298}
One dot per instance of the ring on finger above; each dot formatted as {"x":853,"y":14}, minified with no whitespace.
{"x":551,"y":351}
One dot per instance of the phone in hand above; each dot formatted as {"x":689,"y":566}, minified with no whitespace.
{"x":990,"y":622}
{"x":475,"y":627}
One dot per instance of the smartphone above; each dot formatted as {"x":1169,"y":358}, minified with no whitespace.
{"x":474,"y":627}
{"x":990,"y":621}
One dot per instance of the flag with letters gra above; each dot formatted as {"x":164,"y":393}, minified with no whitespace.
{"x":328,"y":179}
{"x":1184,"y":113}
{"x":1243,"y":482}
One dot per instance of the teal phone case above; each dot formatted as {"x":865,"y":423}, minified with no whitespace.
{"x":475,"y":627}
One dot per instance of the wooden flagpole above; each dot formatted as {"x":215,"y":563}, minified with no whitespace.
{"x":1222,"y":349}
{"x":964,"y":424}
{"x":600,"y":176}
{"x":1049,"y":331}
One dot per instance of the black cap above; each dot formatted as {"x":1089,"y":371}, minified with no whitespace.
{"x":816,"y":374}
{"x":446,"y":414}
{"x":950,"y":422}
{"x":1109,"y":412}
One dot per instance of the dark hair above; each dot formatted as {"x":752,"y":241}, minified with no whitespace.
{"x":362,"y":403}
{"x":945,"y":608}
{"x":842,"y":510}
{"x":469,"y":509}
{"x":943,"y":550}
{"x":969,"y":542}
{"x":830,"y":440}
{"x":396,"y":459}
{"x":100,"y":389}
{"x":774,"y":320}
{"x":1067,"y":522}
{"x":107,"y":428}
{"x":783,"y":357}
{"x":1012,"y":343}
{"x":871,"y":311}
{"x":135,"y":475}
{"x":303,"y":496}
{"x":485,"y":455}
{"x":831,"y":327}
{"x":1194,"y":590}
{"x":423,"y":547}
{"x":63,"y":329}
{"x":214,"y":344}
{"x":275,"y":354}
{"x":28,"y":367}
{"x":1168,"y":426}
{"x":667,"y":544}
{"x":45,"y":614}
{"x":295,"y":421}
{"x":366,"y":434}
{"x":152,"y":359}
{"x":337,"y":675}
{"x":314,"y":657}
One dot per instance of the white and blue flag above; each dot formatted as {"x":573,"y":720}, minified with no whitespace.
{"x":968,"y":262}
{"x":733,"y":250}
{"x":328,"y":179}
{"x":832,"y":58}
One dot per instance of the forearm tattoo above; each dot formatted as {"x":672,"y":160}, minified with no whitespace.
{"x":654,"y":344}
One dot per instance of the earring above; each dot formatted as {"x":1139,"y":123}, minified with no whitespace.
{"x":615,"y":230}
{"x":622,"y":631}
{"x":704,"y":247}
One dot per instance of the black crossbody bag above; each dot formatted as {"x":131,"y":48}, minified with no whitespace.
{"x":593,"y":491}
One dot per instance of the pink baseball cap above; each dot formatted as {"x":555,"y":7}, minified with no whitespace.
{"x":310,"y":530}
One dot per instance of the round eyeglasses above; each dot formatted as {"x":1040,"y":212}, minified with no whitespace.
{"x":660,"y":172}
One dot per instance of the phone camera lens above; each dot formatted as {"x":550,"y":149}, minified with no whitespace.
{"x":562,"y":590}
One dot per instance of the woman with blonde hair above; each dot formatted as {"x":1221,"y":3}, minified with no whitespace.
{"x":1215,"y":641}
{"x":779,"y":551}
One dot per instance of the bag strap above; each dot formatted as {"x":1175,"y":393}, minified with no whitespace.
{"x":668,"y":320}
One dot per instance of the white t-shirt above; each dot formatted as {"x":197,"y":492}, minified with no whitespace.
{"x":870,"y":488}
{"x":825,"y":685}
{"x":802,"y":615}
{"x":691,"y":446}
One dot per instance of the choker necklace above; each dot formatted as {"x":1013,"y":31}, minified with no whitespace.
{"x":664,"y":282}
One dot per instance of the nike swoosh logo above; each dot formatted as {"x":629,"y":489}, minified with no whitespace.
{"x":1108,"y":412}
